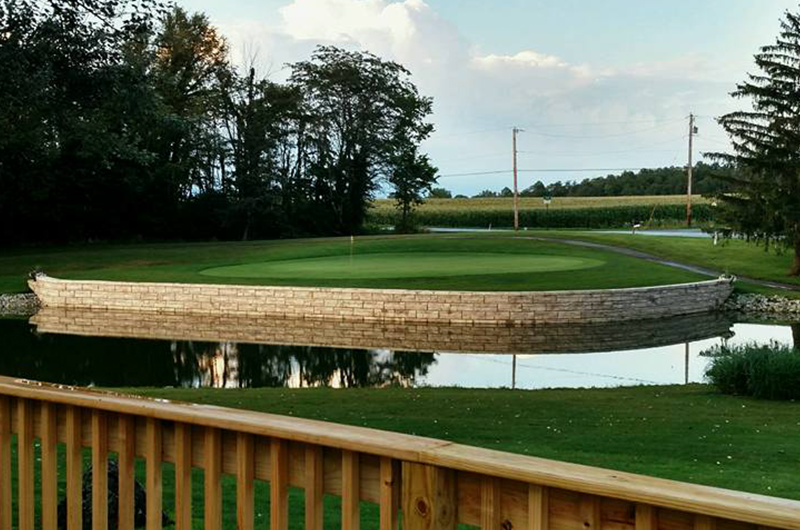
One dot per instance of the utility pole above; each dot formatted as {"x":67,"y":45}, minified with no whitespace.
{"x":514,"y":132}
{"x":692,"y":131}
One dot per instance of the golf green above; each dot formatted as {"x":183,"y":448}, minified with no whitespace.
{"x":404,"y":265}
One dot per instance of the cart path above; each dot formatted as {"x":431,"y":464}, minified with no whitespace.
{"x":663,"y":261}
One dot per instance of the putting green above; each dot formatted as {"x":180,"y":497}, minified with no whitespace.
{"x":404,"y":265}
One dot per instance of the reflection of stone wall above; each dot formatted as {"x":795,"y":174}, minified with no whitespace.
{"x":383,"y":305}
{"x":552,"y":338}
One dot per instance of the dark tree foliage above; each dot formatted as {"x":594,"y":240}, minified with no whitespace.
{"x":71,"y":111}
{"x":124,"y":119}
{"x":764,"y":202}
{"x":411,"y":176}
{"x":707,"y":179}
{"x":440,"y":193}
{"x":362,"y":112}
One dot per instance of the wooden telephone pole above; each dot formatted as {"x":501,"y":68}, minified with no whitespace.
{"x":692,"y":131}
{"x":514,"y":132}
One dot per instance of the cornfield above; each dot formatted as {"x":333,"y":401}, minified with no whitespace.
{"x":566,"y":212}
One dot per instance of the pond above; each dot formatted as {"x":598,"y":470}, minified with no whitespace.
{"x":122,"y":349}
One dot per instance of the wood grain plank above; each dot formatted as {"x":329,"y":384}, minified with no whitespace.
{"x":213,"y":479}
{"x":99,"y":470}
{"x":491,"y":515}
{"x":154,"y":474}
{"x":429,"y":498}
{"x":314,"y":487}
{"x":5,"y":463}
{"x":704,"y":522}
{"x":279,"y":484}
{"x":590,"y":512}
{"x":183,"y":476}
{"x":245,"y":471}
{"x":25,"y":457}
{"x":389,"y":494}
{"x":126,"y":460}
{"x":74,"y":454}
{"x":646,"y":517}
{"x":49,"y":437}
{"x":351,"y":488}
{"x":538,"y":507}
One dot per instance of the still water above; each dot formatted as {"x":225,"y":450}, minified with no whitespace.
{"x":118,"y":349}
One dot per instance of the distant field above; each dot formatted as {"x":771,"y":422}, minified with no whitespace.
{"x":528,"y":203}
{"x":563,"y":212}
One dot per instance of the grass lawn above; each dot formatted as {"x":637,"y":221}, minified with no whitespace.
{"x":414,"y":262}
{"x":687,"y":433}
{"x":731,"y":256}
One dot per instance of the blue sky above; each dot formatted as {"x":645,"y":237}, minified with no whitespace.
{"x":595,"y":84}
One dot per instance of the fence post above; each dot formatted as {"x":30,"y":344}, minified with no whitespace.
{"x":429,"y":497}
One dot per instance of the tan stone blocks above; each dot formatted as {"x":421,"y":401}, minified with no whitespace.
{"x":387,"y":305}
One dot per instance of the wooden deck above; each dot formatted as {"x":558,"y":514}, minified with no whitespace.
{"x":434,"y":484}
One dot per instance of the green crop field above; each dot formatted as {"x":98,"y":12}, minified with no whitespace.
{"x":562,"y":212}
{"x":413,"y":262}
{"x":528,"y":203}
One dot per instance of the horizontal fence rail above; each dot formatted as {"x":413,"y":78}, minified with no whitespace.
{"x":428,"y":483}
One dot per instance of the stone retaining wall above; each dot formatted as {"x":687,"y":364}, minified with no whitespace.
{"x":392,"y":305}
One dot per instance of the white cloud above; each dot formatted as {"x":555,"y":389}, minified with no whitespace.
{"x":474,"y":91}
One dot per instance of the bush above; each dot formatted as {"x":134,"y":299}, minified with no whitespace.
{"x":765,"y":371}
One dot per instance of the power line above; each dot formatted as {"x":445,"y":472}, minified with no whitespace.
{"x":640,"y":148}
{"x":574,"y":124}
{"x":614,"y":135}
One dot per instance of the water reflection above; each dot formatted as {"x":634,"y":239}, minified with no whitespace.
{"x":119,"y":349}
{"x":432,"y":337}
{"x":110,"y":361}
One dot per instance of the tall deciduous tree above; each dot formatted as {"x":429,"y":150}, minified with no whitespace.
{"x":362,"y":111}
{"x":411,"y":177}
{"x":764,"y":204}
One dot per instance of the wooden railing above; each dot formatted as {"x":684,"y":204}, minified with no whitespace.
{"x":433,"y":483}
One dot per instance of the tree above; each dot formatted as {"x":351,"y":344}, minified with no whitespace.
{"x":764,"y":202}
{"x":411,"y":176}
{"x":363,"y":112}
{"x":485,"y":194}
{"x":506,"y":192}
{"x":439,"y":193}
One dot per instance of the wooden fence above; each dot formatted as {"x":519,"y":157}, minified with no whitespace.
{"x":434,"y":484}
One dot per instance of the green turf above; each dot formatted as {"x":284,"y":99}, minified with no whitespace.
{"x":510,"y":264}
{"x":733,"y":256}
{"x":687,"y":433}
{"x":404,"y":265}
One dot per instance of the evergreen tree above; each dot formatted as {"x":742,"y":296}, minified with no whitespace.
{"x":764,"y":204}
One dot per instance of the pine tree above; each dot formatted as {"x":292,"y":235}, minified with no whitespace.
{"x":764,"y":202}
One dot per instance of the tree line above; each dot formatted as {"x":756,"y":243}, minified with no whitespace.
{"x":708,"y":179}
{"x":125,"y":119}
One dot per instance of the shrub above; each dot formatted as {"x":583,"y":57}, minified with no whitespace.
{"x":765,"y":371}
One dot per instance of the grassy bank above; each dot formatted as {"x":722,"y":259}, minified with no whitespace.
{"x":685,"y":433}
{"x":451,"y":262}
{"x":731,"y":256}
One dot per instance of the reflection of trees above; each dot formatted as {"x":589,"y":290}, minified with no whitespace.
{"x":359,"y":368}
{"x":259,"y":365}
{"x":104,"y":361}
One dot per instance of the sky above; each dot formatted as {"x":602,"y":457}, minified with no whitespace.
{"x":596,"y":86}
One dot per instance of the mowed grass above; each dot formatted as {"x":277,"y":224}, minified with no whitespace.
{"x":687,"y":433}
{"x":733,"y":256}
{"x":455,"y":269}
{"x":528,"y":203}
